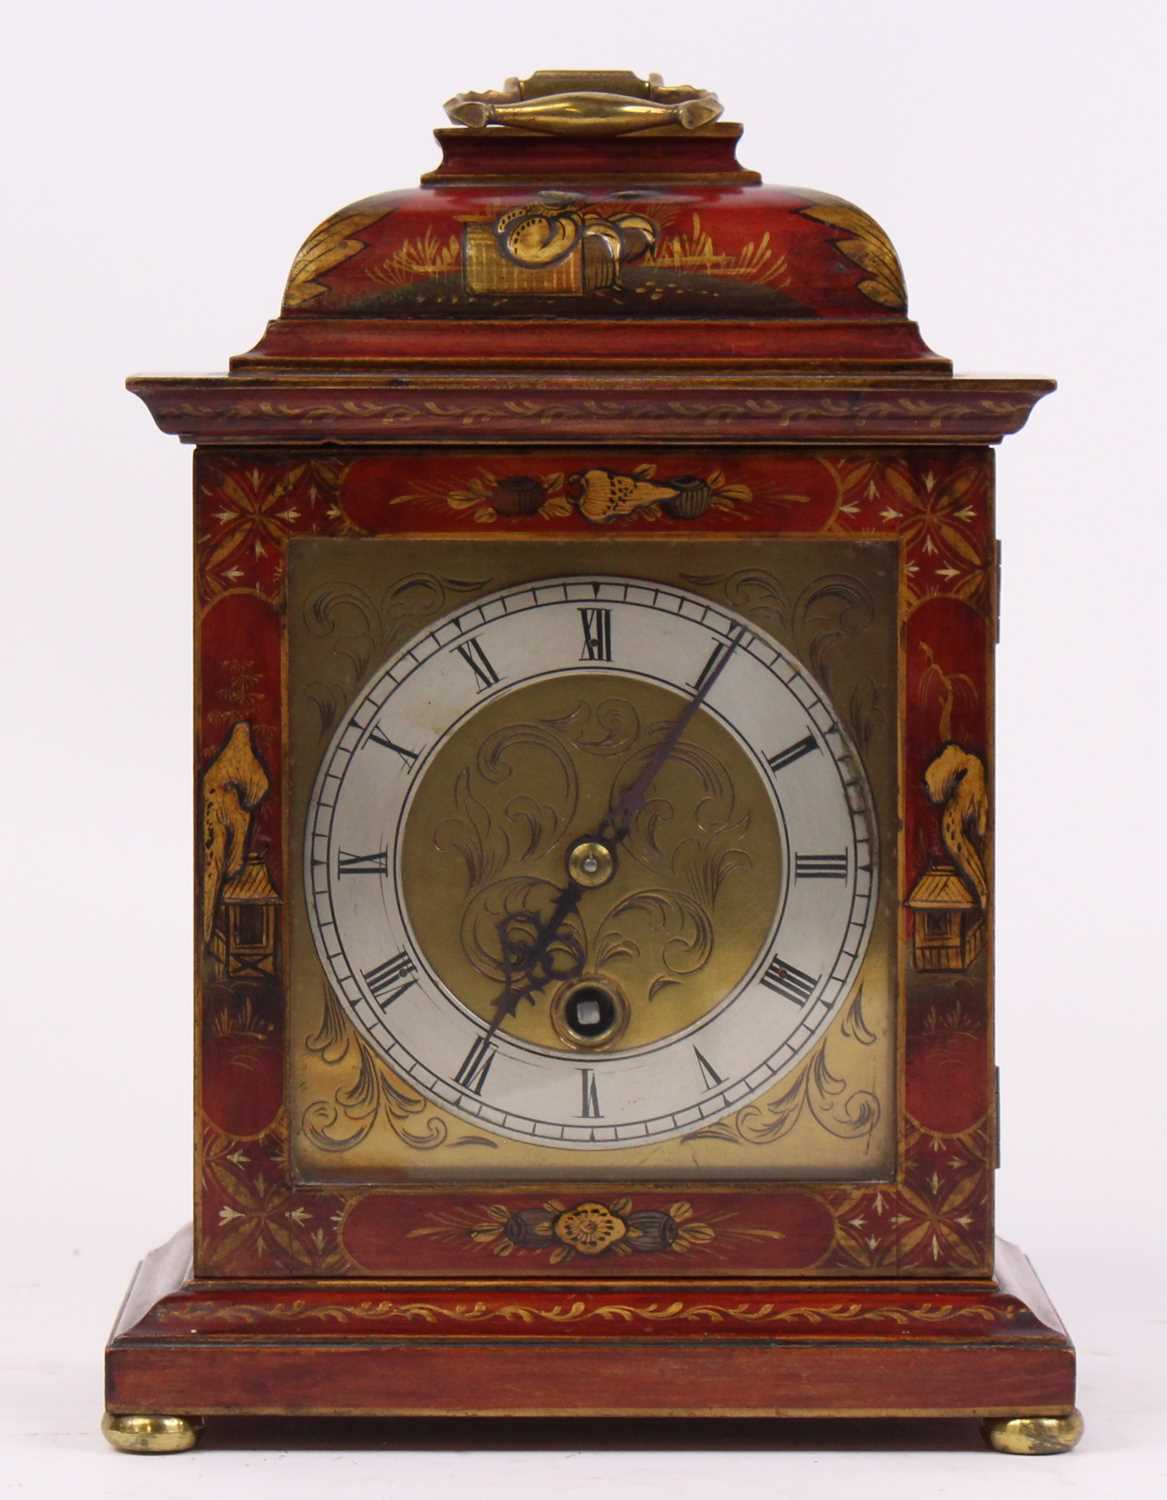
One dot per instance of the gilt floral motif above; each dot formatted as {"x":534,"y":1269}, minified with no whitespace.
{"x":328,"y":246}
{"x":867,"y":246}
{"x":257,"y":1212}
{"x":601,"y":496}
{"x":249,"y":512}
{"x":937,"y":513}
{"x":561,"y":1230}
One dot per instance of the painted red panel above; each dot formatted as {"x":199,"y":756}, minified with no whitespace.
{"x":253,"y":1219}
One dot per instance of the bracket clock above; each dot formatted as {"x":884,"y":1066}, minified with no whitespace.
{"x":596,"y":596}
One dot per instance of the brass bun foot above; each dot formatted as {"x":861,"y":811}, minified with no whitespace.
{"x":135,"y":1434}
{"x":1034,"y":1435}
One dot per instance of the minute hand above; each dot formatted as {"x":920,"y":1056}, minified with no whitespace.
{"x":620,"y":818}
{"x":614,"y":830}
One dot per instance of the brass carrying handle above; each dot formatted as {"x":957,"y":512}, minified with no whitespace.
{"x":559,"y":103}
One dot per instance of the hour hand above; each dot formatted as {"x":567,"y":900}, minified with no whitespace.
{"x":534,"y":955}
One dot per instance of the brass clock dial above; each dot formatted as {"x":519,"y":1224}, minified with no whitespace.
{"x":591,"y":862}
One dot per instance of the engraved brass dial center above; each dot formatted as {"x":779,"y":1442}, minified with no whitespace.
{"x":591,"y":863}
{"x":503,"y":819}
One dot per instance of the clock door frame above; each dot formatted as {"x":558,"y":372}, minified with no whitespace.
{"x":253,"y":1218}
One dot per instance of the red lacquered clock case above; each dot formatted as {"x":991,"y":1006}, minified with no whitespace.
{"x":703,"y":325}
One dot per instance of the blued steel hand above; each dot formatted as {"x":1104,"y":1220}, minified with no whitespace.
{"x":508,"y":1001}
{"x":615,"y":827}
{"x":637,"y":794}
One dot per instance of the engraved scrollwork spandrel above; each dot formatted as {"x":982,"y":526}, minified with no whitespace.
{"x":341,"y":1123}
{"x":842,"y":1111}
{"x":819,"y":620}
{"x":529,"y":825}
{"x":364,"y":628}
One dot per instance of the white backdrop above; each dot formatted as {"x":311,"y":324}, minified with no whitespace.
{"x":164,"y":162}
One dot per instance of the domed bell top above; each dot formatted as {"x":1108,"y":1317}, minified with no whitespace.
{"x":579,"y":217}
{"x":590,"y":258}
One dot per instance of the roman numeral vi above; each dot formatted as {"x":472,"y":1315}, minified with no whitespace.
{"x":590,"y":1103}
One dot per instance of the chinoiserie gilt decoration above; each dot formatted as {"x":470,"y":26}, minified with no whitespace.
{"x":542,"y":248}
{"x":596,"y":597}
{"x":951,"y":899}
{"x":239,"y":899}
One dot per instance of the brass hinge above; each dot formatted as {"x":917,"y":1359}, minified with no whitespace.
{"x":996,"y":591}
{"x":997,"y":1117}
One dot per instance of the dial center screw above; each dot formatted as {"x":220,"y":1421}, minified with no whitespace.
{"x":591,"y":863}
